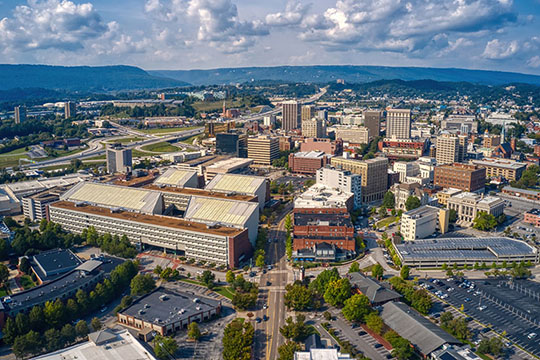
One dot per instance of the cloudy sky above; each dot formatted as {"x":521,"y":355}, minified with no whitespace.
{"x":189,"y":34}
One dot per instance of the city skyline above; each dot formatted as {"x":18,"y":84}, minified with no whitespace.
{"x":188,"y":34}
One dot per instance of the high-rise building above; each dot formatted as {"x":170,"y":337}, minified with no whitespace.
{"x":70,"y":109}
{"x":447,"y":149}
{"x":354,"y":135}
{"x":322,"y":114}
{"x":290,"y":115}
{"x":460,"y":176}
{"x":463,"y":144}
{"x":398,"y":123}
{"x":372,"y":120}
{"x":263,"y":149}
{"x":118,"y":159}
{"x":313,"y":128}
{"x":20,"y":114}
{"x":308,"y":112}
{"x":269,"y":120}
{"x":374,"y":175}
{"x":232,"y":143}
{"x":342,"y":180}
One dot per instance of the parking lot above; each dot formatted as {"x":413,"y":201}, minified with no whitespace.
{"x":505,"y":307}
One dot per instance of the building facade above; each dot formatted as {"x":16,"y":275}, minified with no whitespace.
{"x":325,"y":145}
{"x":307,"y":162}
{"x":460,"y":176}
{"x":290,"y":115}
{"x":19,"y":114}
{"x":447,"y":149}
{"x":508,"y":169}
{"x":403,"y":191}
{"x":467,"y":205}
{"x":398,"y":123}
{"x":532,"y":217}
{"x":395,"y":148}
{"x":313,"y":128}
{"x":263,"y":149}
{"x":119,"y":159}
{"x":307,"y":112}
{"x":353,"y":135}
{"x":423,"y":222}
{"x":343,"y":180}
{"x":372,"y":120}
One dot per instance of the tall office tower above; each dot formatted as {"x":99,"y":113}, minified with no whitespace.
{"x":118,"y":159}
{"x":463,"y":144}
{"x":308,"y":112}
{"x":70,"y":109}
{"x":290,"y":115}
{"x":269,"y":120}
{"x":322,"y":114}
{"x":20,"y":114}
{"x":372,"y":120}
{"x":398,"y":123}
{"x":232,"y":143}
{"x":447,"y":149}
{"x":313,"y":128}
{"x":374,"y":175}
{"x":263,"y":149}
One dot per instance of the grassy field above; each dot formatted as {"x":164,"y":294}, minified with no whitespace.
{"x":124,"y":140}
{"x":3,"y":291}
{"x":12,"y":158}
{"x":387,"y":221}
{"x":27,"y":282}
{"x":208,"y":106}
{"x":190,"y":139}
{"x":158,"y":131}
{"x":161,"y":147}
{"x":138,"y":153}
{"x":222,"y":290}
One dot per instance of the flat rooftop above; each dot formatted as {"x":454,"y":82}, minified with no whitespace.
{"x":523,"y":191}
{"x":302,"y":219}
{"x":488,"y":200}
{"x":164,"y":306}
{"x":534,"y":212}
{"x":310,"y":154}
{"x":422,"y":211}
{"x":227,"y":165}
{"x":158,"y":220}
{"x":42,"y":184}
{"x":208,"y":210}
{"x":243,"y":184}
{"x":320,"y":196}
{"x":505,"y":164}
{"x":54,"y":261}
{"x":448,"y":249}
{"x":202,"y":192}
{"x":115,"y":196}
{"x":120,"y":345}
{"x":175,"y":177}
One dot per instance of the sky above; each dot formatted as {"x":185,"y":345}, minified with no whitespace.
{"x":201,"y":34}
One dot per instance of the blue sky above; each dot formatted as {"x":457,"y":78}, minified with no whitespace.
{"x":192,"y":34}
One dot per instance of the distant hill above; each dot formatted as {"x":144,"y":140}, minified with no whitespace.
{"x":81,"y":78}
{"x":351,"y":74}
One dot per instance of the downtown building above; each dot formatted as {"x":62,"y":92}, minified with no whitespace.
{"x":119,"y":159}
{"x":398,"y":123}
{"x":423,"y":222}
{"x":290,"y":115}
{"x":460,"y":176}
{"x":263,"y":149}
{"x":353,"y":134}
{"x":372,"y":120}
{"x":450,"y":149}
{"x":313,"y":128}
{"x":330,"y":147}
{"x":509,"y":169}
{"x":307,"y":162}
{"x":468,"y":205}
{"x":395,"y":148}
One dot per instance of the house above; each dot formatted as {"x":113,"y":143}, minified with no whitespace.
{"x":375,"y":291}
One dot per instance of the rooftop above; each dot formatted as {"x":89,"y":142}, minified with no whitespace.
{"x":302,"y":219}
{"x":506,"y":164}
{"x":54,"y":261}
{"x":23,"y":187}
{"x":321,"y":354}
{"x":242,"y":184}
{"x":534,"y":212}
{"x":421,"y":332}
{"x":477,"y":198}
{"x":320,"y":196}
{"x":164,"y":306}
{"x":421,"y":211}
{"x":235,"y":213}
{"x":376,"y":292}
{"x":134,"y":199}
{"x":449,"y":249}
{"x":310,"y":154}
{"x":115,"y":345}
{"x":201,"y":192}
{"x":524,"y":191}
{"x":229,"y":165}
{"x":451,"y":191}
{"x":175,"y":177}
{"x":158,"y":220}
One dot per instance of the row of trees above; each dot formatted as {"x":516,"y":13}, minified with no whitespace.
{"x":418,"y":299}
{"x":52,"y":320}
{"x":114,"y":245}
{"x":238,"y":340}
{"x":245,"y":292}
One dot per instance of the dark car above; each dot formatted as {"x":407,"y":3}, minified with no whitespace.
{"x":265,"y":318}
{"x":362,"y":333}
{"x":377,"y":345}
{"x":468,"y":318}
{"x":389,"y":356}
{"x":258,"y":319}
{"x":354,"y":326}
{"x":485,"y":330}
{"x":268,"y":283}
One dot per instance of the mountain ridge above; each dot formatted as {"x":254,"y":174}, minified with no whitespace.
{"x":350,"y":73}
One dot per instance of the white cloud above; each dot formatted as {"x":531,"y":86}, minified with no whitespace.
{"x":534,"y":62}
{"x":496,"y":49}
{"x":293,"y":15}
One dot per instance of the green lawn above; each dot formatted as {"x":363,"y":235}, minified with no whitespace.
{"x":222,"y":290}
{"x":27,"y":282}
{"x":167,"y":130}
{"x":387,"y":221}
{"x":190,"y":139}
{"x":160,"y":147}
{"x":124,"y":140}
{"x":99,"y":157}
{"x":138,"y":153}
{"x":11,"y":158}
{"x":3,"y":291}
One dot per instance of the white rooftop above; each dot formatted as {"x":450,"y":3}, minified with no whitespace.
{"x":229,"y":165}
{"x":125,"y":346}
{"x":311,"y":154}
{"x":321,"y":354}
{"x":175,"y":177}
{"x":228,"y":212}
{"x":242,"y":184}
{"x":31,"y":186}
{"x":477,"y":198}
{"x":113,"y":196}
{"x":321,"y":196}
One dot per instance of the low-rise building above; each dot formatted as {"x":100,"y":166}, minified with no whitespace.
{"x":464,"y":251}
{"x":532,"y":217}
{"x":377,"y":293}
{"x":330,"y":147}
{"x":522,"y":193}
{"x":445,"y":194}
{"x":178,"y":178}
{"x":423,"y":222}
{"x":467,"y":205}
{"x":320,"y":197}
{"x":232,"y":184}
{"x":51,"y":264}
{"x":166,"y":311}
{"x":307,"y":162}
{"x":227,"y":166}
{"x":35,"y":206}
{"x":461,"y":176}
{"x":403,"y":191}
{"x":508,"y":169}
{"x":394,"y":148}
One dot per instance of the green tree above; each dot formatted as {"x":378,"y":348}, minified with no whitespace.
{"x":337,"y":292}
{"x":259,"y":262}
{"x":452,"y":216}
{"x":53,"y":340}
{"x":298,"y":297}
{"x":54,"y":313}
{"x":412,"y":203}
{"x":22,"y":323}
{"x":287,"y":350}
{"x":68,"y":333}
{"x":374,"y":322}
{"x":37,"y":318}
{"x":229,"y":277}
{"x":295,"y":330}
{"x":321,"y":281}
{"x":377,"y":271}
{"x":389,"y":200}
{"x":82,"y":328}
{"x":402,"y":349}
{"x":484,"y":221}
{"x":165,"y":347}
{"x":193,"y":331}
{"x":405,"y":270}
{"x":10,"y":331}
{"x":356,"y":308}
{"x":354,"y":267}
{"x":24,"y":265}
{"x":4,"y":274}
{"x":207,"y":278}
{"x":96,"y":324}
{"x":238,"y":340}
{"x":142,"y":284}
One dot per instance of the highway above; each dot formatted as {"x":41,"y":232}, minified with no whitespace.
{"x":95,"y":146}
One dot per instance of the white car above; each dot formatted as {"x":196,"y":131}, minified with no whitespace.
{"x":482,"y":308}
{"x":531,"y":335}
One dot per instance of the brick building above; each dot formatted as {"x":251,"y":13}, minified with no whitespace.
{"x":325,"y":145}
{"x":307,"y":162}
{"x":403,"y":148}
{"x":532,"y":217}
{"x":464,"y":177}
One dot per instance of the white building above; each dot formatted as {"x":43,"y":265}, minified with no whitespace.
{"x":342,"y":180}
{"x":178,"y":178}
{"x":320,"y":196}
{"x":467,"y":205}
{"x":406,"y":169}
{"x":241,"y":184}
{"x":423,"y":222}
{"x":321,"y":354}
